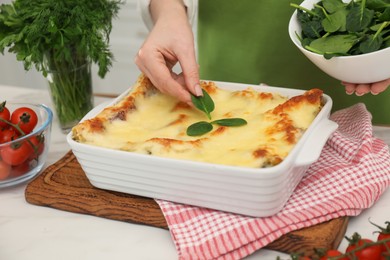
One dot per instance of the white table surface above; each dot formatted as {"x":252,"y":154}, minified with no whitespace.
{"x":34,"y":232}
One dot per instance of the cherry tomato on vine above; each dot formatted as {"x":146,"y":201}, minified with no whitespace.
{"x":385,"y":256}
{"x":7,"y":135}
{"x":38,"y":145}
{"x":384,"y":234}
{"x":332,"y":253}
{"x":25,"y":118}
{"x":361,"y":250}
{"x":4,"y":115}
{"x":5,"y":170}
{"x":16,"y":153}
{"x":20,"y":169}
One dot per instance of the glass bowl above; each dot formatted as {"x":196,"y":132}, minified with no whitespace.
{"x":22,"y":157}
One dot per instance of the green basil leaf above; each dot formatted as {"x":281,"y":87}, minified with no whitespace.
{"x":230,"y":122}
{"x":204,"y":103}
{"x":199,"y":128}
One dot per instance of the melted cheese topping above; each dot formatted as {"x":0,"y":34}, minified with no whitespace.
{"x":149,"y":122}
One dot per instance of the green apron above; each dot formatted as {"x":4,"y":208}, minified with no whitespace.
{"x":247,"y":41}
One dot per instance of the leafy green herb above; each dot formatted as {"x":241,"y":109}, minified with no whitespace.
{"x":199,"y":128}
{"x":206,"y":104}
{"x":61,"y":39}
{"x":203,"y":127}
{"x":334,"y":28}
{"x":230,"y":122}
{"x":66,"y":28}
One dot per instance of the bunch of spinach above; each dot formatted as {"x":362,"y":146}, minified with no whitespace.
{"x":334,"y":28}
{"x":206,"y":104}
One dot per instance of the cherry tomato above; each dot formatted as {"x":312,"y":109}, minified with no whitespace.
{"x":7,"y":135}
{"x":5,"y":170}
{"x":384,"y":234}
{"x":332,"y":253}
{"x":20,"y":169}
{"x":38,"y":145}
{"x":16,"y":153}
{"x":25,"y":118}
{"x":359,"y":249}
{"x":4,"y":115}
{"x":385,"y":256}
{"x":385,"y":246}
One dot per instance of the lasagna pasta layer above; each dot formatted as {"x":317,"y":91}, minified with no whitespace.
{"x":149,"y":122}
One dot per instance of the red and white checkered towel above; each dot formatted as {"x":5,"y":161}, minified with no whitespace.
{"x":350,"y":175}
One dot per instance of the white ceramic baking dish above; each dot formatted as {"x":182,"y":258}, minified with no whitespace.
{"x":248,"y":191}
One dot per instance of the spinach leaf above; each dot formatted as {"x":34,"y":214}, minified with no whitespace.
{"x":310,"y":21}
{"x":371,"y":44}
{"x":387,"y":42}
{"x":359,"y":18}
{"x":230,"y":122}
{"x":204,"y":103}
{"x":385,"y":15}
{"x":334,"y":44}
{"x":312,"y":29}
{"x":336,"y":21}
{"x":333,"y":5}
{"x":378,"y":5}
{"x":199,"y":128}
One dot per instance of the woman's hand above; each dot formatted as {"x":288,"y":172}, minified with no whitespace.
{"x":362,"y":89}
{"x":170,"y":41}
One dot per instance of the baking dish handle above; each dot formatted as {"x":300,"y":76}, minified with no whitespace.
{"x":315,"y":142}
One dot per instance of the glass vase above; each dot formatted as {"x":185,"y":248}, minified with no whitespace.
{"x":70,"y":85}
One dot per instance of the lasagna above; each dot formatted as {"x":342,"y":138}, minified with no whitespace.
{"x":146,"y":121}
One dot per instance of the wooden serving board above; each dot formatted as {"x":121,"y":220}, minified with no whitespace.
{"x":64,"y":186}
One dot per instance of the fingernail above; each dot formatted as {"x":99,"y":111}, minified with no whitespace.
{"x":359,"y":94}
{"x":374,"y":93}
{"x":349,"y":92}
{"x":198,"y":90}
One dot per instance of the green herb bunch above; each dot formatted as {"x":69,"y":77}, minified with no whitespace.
{"x":334,"y":28}
{"x":206,"y":104}
{"x":61,"y":38}
{"x":66,"y":28}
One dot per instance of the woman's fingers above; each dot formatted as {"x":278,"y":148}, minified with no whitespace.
{"x":190,"y":71}
{"x":154,"y":66}
{"x":362,"y":89}
{"x":380,"y":86}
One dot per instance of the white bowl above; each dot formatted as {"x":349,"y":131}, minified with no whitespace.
{"x":255,"y":192}
{"x":364,"y":68}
